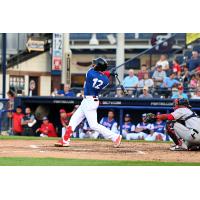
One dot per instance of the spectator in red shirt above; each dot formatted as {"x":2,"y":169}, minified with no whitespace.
{"x":47,"y":129}
{"x":16,"y":121}
{"x":142,"y":72}
{"x":176,"y":68}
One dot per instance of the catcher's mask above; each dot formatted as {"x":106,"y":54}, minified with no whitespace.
{"x":100,"y":64}
{"x":181,"y":102}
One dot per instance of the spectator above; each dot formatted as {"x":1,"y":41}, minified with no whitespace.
{"x":170,"y":81}
{"x":159,"y":129}
{"x":131,"y":80}
{"x":197,"y":94}
{"x":176,"y":68}
{"x":145,"y":94}
{"x":180,"y":94}
{"x":119,"y":93}
{"x":158,"y":76}
{"x":163,"y":62}
{"x":198,"y":80}
{"x":174,"y":91}
{"x":127,"y":126}
{"x":185,"y":76}
{"x":55,"y":92}
{"x":193,"y":82}
{"x":146,"y":81}
{"x":80,"y":94}
{"x":86,"y":132}
{"x":11,"y":98}
{"x":47,"y":129}
{"x":131,"y":93}
{"x":16,"y":121}
{"x":66,"y":91}
{"x":142,"y":72}
{"x":194,"y":62}
{"x":109,"y":122}
{"x":28,"y":121}
{"x":142,"y":130}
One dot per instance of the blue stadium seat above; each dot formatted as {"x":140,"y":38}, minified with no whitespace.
{"x":180,"y":59}
{"x":103,"y":36}
{"x":170,"y":63}
{"x":180,"y":36}
{"x":196,"y":48}
{"x":188,"y":54}
{"x":79,"y":36}
{"x":129,"y":36}
{"x":145,"y":35}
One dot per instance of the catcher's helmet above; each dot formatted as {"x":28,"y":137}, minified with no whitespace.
{"x":100,"y":64}
{"x":181,"y":102}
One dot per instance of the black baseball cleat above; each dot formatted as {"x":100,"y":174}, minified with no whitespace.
{"x":194,"y":148}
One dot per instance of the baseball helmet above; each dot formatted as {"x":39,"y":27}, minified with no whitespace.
{"x":100,"y":64}
{"x":181,"y":102}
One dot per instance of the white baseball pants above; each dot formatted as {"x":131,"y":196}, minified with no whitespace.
{"x":187,"y":134}
{"x":88,"y":110}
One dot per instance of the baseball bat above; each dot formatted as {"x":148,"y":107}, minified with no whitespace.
{"x":121,"y":86}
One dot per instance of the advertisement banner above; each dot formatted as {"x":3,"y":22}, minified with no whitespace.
{"x":57,"y":52}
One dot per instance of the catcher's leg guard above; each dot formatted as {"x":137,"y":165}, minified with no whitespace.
{"x":68,"y":133}
{"x":172,"y":134}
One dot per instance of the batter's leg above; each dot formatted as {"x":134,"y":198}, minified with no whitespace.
{"x":75,"y":120}
{"x":91,"y":116}
{"x":63,"y":131}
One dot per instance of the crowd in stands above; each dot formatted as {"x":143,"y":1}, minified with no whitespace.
{"x":164,"y":80}
{"x":178,"y":80}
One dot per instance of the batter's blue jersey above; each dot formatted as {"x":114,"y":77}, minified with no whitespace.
{"x":94,"y":83}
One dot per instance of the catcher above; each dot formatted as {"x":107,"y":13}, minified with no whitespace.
{"x":182,"y":126}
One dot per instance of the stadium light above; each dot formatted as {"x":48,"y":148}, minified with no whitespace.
{"x":111,"y":38}
{"x":93,"y":40}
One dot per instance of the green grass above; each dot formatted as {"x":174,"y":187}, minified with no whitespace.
{"x":24,"y":161}
{"x":26,"y":138}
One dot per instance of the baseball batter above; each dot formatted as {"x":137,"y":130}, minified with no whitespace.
{"x":182,"y":126}
{"x":96,"y":80}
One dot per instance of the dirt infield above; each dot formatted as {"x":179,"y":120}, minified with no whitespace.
{"x":100,"y":150}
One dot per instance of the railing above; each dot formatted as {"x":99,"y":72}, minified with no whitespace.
{"x":154,"y":91}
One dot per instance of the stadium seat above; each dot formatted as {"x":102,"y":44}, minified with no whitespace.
{"x":196,"y":48}
{"x":188,"y":54}
{"x":180,"y":59}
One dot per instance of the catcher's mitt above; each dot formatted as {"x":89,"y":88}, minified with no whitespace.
{"x":150,"y":118}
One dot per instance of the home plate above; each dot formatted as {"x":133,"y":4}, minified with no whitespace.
{"x":140,"y":152}
{"x":33,"y":146}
